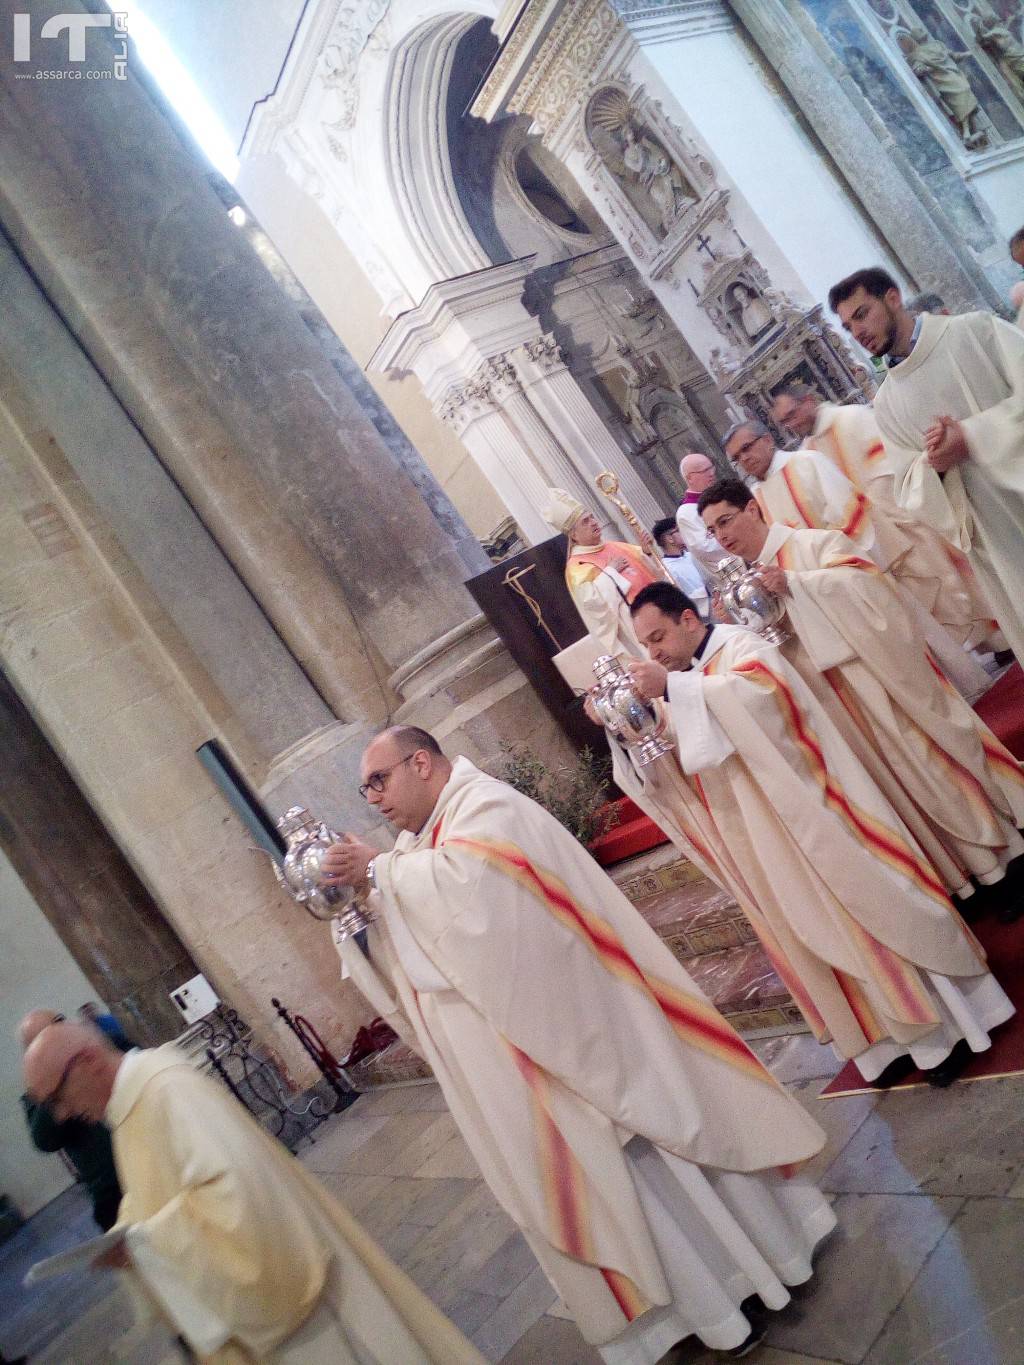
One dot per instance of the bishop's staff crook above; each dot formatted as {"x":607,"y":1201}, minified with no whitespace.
{"x":608,"y":483}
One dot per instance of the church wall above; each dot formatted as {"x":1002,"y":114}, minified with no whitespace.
{"x":744,"y":116}
{"x":342,"y":291}
{"x":36,"y":971}
{"x":112,"y":685}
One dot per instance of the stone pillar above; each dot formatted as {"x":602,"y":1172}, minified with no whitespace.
{"x":102,"y":197}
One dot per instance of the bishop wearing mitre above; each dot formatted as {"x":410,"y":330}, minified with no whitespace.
{"x":888,"y":972}
{"x":616,"y":1116}
{"x":603,"y":576}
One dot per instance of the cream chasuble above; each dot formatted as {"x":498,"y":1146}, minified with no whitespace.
{"x":850,"y":900}
{"x":582,"y":1064}
{"x":247,"y":1255}
{"x":806,"y":491}
{"x":602,"y":594}
{"x":970,"y":368}
{"x":855,"y":645}
{"x":938,"y":574}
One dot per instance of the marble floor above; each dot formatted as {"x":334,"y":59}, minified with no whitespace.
{"x":925,"y":1268}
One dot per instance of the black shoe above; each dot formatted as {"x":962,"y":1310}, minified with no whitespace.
{"x":895,"y":1072}
{"x":951,"y":1068}
{"x":1003,"y":657}
{"x":1010,"y":911}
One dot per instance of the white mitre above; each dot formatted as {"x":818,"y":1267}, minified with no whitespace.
{"x":563,"y":510}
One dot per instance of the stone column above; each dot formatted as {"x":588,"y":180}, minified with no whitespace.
{"x":102,"y":197}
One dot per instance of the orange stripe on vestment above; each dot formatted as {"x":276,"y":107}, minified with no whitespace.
{"x":784,"y":557}
{"x":855,"y":515}
{"x":562,"y":1176}
{"x":1000,"y":757}
{"x":899,"y":980}
{"x":883,"y":842}
{"x":695,"y":1021}
{"x":867,"y":1021}
{"x":565,"y":1189}
{"x":875,"y":452}
{"x":796,"y":493}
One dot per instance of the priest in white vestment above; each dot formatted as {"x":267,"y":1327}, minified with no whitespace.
{"x":617,"y":1117}
{"x":603,"y":576}
{"x":804,"y":488}
{"x":852,"y":640}
{"x":935,"y":571}
{"x":699,"y":473}
{"x":892,"y":975}
{"x":951,"y":413}
{"x":242,"y":1250}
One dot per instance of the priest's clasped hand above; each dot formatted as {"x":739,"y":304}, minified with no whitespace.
{"x":946,"y":445}
{"x":774,"y":579}
{"x":649,"y":679}
{"x":345,"y":864}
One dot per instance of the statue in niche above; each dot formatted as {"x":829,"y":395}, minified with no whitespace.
{"x":1005,"y":50}
{"x":723,"y":364}
{"x":935,"y":66}
{"x":648,"y":174}
{"x":754,"y":314}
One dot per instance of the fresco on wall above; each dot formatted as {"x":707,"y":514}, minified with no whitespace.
{"x":860,"y":54}
{"x":990,"y":100}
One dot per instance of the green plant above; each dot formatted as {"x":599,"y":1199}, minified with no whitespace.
{"x":576,"y":793}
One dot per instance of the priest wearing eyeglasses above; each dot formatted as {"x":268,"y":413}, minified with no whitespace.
{"x":616,"y":1116}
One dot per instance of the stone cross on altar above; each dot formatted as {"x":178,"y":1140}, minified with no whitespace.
{"x":704,"y":244}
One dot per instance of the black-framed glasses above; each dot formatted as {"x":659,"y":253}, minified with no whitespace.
{"x":378,"y":781}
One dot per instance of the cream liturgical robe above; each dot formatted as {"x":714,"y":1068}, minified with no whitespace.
{"x":243,"y":1250}
{"x":805,"y":490}
{"x":884,"y":964}
{"x":616,"y":1116}
{"x":959,"y":790}
{"x":970,"y":368}
{"x":938,"y":574}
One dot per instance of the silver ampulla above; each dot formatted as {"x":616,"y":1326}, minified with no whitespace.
{"x":629,"y":718}
{"x":301,"y":875}
{"x":748,"y":601}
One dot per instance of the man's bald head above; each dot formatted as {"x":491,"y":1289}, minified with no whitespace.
{"x":698,"y":471}
{"x":404,"y":772}
{"x":33,"y":1024}
{"x":71,"y":1069}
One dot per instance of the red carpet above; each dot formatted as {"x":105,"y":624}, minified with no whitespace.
{"x":1004,"y":944}
{"x":1002,"y":709}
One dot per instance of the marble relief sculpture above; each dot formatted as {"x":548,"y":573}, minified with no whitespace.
{"x":754,"y":313}
{"x":649,"y":176}
{"x":936,"y":67}
{"x":1005,"y":50}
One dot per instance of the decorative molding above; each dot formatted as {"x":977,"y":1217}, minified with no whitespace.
{"x":651,"y":22}
{"x":563,"y":72}
{"x":357,"y":26}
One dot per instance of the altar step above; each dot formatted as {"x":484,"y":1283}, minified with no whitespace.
{"x":711,"y":937}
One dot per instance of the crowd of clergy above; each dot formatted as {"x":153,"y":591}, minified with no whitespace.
{"x":839,"y":785}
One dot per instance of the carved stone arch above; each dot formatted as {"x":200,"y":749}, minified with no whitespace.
{"x":418,"y":162}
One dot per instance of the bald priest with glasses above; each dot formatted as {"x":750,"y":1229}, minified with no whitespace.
{"x":643,"y":1150}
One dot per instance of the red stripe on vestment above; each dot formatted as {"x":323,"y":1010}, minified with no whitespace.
{"x":789,"y":479}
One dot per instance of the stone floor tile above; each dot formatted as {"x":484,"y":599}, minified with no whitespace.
{"x":692,"y":1352}
{"x":839,"y":1118}
{"x":453,"y":1161}
{"x":378,"y":1154}
{"x":861,"y":1274}
{"x":418,"y":1152}
{"x":402,"y":1099}
{"x":967,"y":1140}
{"x":966,"y":1307}
{"x":339,"y":1137}
{"x":517,"y":1314}
{"x":470,"y":1311}
{"x":401,"y":1240}
{"x":435,"y":1199}
{"x":552,"y":1341}
{"x":506,"y":1269}
{"x":559,"y":1310}
{"x":1016,"y":1190}
{"x":356,"y":1192}
{"x":795,"y":1057}
{"x":451,"y":1253}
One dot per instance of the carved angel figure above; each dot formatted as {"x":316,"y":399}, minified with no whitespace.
{"x":1005,"y":50}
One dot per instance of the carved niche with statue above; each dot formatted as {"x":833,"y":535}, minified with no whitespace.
{"x":738,"y":298}
{"x":652,"y":176}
